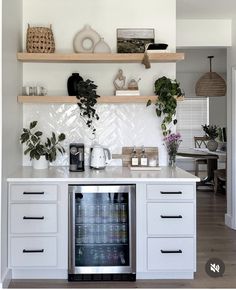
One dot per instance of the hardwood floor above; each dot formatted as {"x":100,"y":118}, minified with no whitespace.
{"x":214,"y":240}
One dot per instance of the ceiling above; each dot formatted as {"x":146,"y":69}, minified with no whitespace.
{"x":210,"y":9}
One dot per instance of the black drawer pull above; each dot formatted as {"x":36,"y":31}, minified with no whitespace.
{"x":33,"y":218}
{"x":33,"y":193}
{"x":171,"y":252}
{"x":171,"y":192}
{"x":33,"y":251}
{"x":171,"y":216}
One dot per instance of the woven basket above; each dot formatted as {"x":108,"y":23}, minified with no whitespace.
{"x":40,"y":40}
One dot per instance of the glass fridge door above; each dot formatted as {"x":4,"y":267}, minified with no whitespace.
{"x":101,"y":229}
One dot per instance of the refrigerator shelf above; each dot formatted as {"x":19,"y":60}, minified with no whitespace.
{"x":87,"y":223}
{"x":98,"y":245}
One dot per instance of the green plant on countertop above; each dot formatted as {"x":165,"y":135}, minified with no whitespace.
{"x":87,"y":96}
{"x":36,"y":148}
{"x":211,"y":131}
{"x":167,"y":91}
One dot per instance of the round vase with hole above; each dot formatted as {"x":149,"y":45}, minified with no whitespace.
{"x":85,"y":40}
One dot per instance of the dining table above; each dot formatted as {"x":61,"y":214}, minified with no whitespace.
{"x":212,"y":161}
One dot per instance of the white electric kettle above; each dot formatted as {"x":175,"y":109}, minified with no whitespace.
{"x":99,"y":156}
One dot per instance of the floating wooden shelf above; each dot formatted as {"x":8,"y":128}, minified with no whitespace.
{"x":98,"y":57}
{"x":101,"y":100}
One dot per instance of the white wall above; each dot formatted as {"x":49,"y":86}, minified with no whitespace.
{"x":121,"y":124}
{"x":188,"y":73}
{"x":204,"y":32}
{"x":231,"y":133}
{"x":0,"y":138}
{"x":11,"y":111}
{"x":193,"y":67}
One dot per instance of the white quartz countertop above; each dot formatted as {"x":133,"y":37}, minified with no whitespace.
{"x":110,"y":174}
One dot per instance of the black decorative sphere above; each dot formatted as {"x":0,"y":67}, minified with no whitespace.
{"x":72,"y":84}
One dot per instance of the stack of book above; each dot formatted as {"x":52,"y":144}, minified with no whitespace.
{"x":127,"y":93}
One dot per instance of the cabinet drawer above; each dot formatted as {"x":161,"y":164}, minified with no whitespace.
{"x":33,"y":252}
{"x":170,"y":218}
{"x":170,"y":191}
{"x":33,"y":218}
{"x":33,"y":192}
{"x":171,"y":254}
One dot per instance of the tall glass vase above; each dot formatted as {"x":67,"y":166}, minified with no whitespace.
{"x":172,"y":160}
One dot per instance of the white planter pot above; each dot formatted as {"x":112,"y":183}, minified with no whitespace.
{"x":42,"y":163}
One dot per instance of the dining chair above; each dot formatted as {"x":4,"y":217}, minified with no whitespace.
{"x":200,"y":142}
{"x":219,"y":179}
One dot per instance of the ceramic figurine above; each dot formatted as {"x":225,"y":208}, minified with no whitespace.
{"x":119,"y":81}
{"x":133,"y":84}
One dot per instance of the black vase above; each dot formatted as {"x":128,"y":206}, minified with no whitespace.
{"x":72,"y":84}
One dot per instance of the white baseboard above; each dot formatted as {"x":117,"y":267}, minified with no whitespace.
{"x":229,"y":221}
{"x":6,"y":279}
{"x":39,"y":274}
{"x":165,"y":275}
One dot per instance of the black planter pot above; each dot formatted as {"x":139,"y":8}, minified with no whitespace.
{"x":72,"y":84}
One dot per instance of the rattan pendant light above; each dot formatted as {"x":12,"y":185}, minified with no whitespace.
{"x":211,"y":84}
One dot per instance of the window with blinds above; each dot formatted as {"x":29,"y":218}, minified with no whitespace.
{"x":191,"y":114}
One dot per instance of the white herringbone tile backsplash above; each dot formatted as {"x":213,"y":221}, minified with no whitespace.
{"x":119,"y":125}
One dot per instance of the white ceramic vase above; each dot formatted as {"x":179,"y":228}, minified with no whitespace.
{"x":102,"y":47}
{"x":42,"y":163}
{"x":85,"y":40}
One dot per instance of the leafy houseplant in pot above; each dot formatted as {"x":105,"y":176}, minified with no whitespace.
{"x":41,"y":153}
{"x":212,"y":133}
{"x":168,"y":91}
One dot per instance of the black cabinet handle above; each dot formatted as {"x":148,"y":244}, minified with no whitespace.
{"x":33,"y":251}
{"x":33,"y":193}
{"x":171,"y":216}
{"x":33,"y":218}
{"x":171,"y":192}
{"x":171,"y":252}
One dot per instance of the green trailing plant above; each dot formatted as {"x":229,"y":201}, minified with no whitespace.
{"x":87,"y":96}
{"x":167,"y":91}
{"x":36,"y":148}
{"x":211,"y":131}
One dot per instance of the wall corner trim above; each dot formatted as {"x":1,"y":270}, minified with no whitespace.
{"x":6,"y":279}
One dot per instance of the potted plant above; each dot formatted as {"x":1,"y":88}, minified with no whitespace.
{"x":41,"y":153}
{"x":211,"y":132}
{"x":167,"y":91}
{"x":87,"y":96}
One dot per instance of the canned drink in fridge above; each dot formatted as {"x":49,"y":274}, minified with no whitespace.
{"x":105,"y":238}
{"x":111,"y":234}
{"x":123,"y":213}
{"x":98,"y":214}
{"x":79,"y":234}
{"x":116,"y":213}
{"x":124,"y":234}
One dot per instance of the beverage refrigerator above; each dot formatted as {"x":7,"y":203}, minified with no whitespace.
{"x":102,"y":236}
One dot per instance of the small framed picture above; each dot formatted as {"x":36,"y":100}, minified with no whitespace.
{"x":134,"y":40}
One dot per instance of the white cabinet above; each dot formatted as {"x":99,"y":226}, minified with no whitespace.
{"x":38,"y":230}
{"x":169,"y":219}
{"x":33,"y":192}
{"x":33,"y":251}
{"x":171,"y":254}
{"x":33,"y":218}
{"x":166,"y":230}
